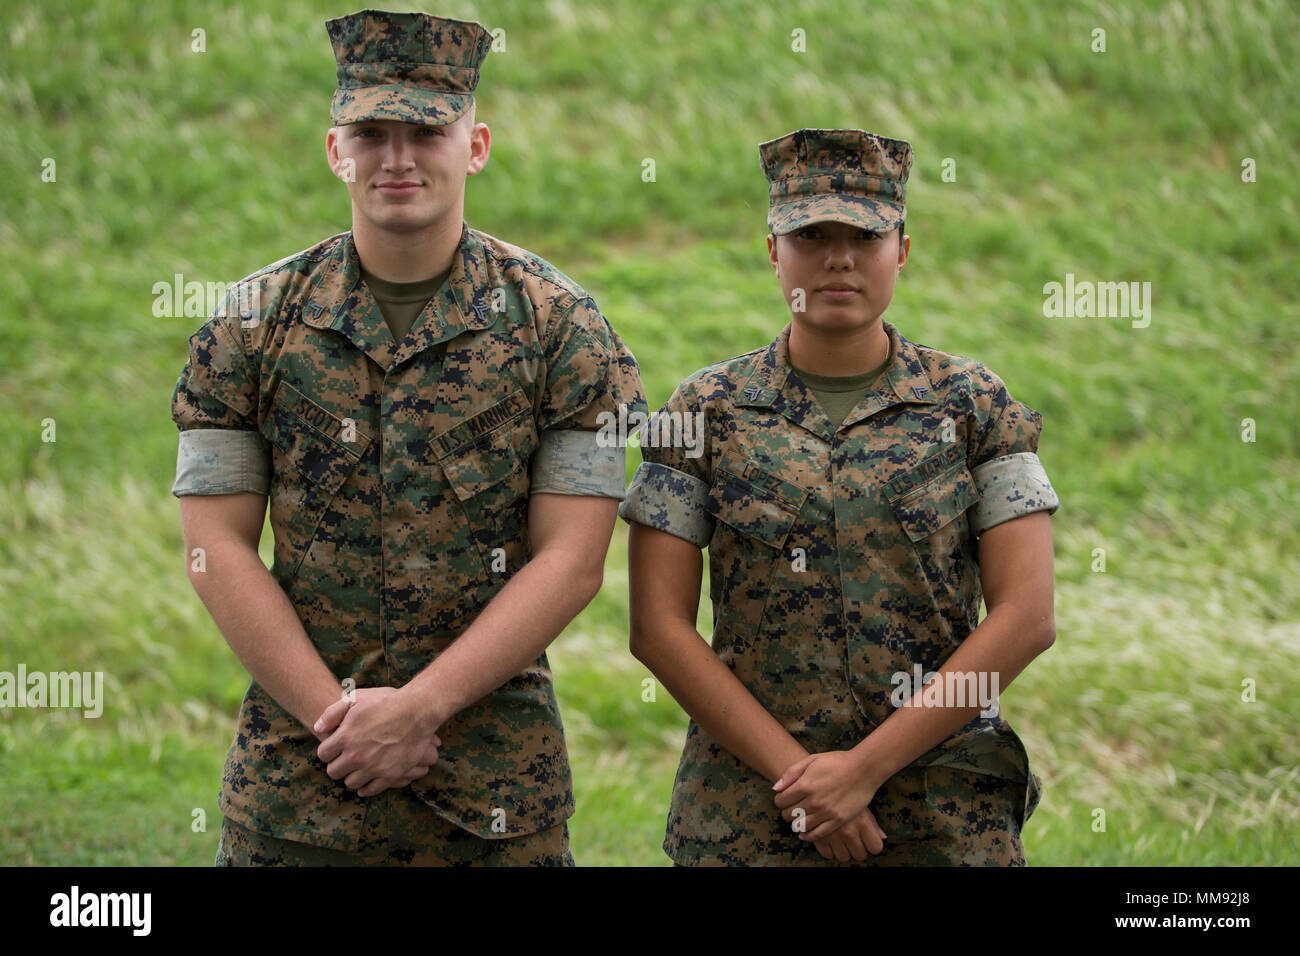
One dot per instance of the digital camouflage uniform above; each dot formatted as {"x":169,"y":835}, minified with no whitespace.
{"x":842,"y":555}
{"x":399,"y":830}
{"x":399,"y":475}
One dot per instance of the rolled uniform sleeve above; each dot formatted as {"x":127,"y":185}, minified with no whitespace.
{"x":670,"y":489}
{"x":590,"y":373}
{"x":214,"y":405}
{"x":1010,"y":479}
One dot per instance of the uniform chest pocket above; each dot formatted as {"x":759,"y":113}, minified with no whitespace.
{"x":485,"y":460}
{"x":926,"y":510}
{"x":313,"y":452}
{"x":754,"y":514}
{"x":931,"y":504}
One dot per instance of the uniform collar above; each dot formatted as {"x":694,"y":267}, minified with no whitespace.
{"x":339,"y":300}
{"x":773,"y":385}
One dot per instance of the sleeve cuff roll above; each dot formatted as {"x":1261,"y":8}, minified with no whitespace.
{"x":221,"y":461}
{"x":1009,"y":487}
{"x":572,"y":462}
{"x":669,"y":500}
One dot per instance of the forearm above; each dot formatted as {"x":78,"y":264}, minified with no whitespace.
{"x":260,"y":625}
{"x":715,"y":698}
{"x":508,"y":635}
{"x":1001,"y":647}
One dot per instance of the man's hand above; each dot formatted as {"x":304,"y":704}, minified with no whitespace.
{"x":830,"y":788}
{"x":854,"y":840}
{"x":375,"y":741}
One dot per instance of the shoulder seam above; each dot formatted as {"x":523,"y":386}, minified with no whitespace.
{"x":535,"y":266}
{"x":313,"y":253}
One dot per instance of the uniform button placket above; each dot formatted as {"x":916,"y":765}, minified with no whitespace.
{"x":388,"y":453}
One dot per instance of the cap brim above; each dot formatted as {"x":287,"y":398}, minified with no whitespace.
{"x":877,"y":215}
{"x":405,"y":104}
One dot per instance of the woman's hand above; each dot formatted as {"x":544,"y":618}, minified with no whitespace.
{"x":824,"y":791}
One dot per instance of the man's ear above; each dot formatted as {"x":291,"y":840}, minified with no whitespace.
{"x":771,"y":252}
{"x":904,"y":247}
{"x":480,"y":145}
{"x":332,"y":138}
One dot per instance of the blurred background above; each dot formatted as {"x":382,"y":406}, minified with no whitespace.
{"x":1171,"y":698}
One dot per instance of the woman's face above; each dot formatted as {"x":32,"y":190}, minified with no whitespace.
{"x":835,"y":276}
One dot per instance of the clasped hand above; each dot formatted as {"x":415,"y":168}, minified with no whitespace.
{"x":828,"y":791}
{"x":371,"y":740}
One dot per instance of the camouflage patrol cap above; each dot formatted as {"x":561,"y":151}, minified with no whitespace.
{"x":840,"y":175}
{"x":410,"y":67}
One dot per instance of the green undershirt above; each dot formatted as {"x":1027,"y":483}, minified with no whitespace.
{"x":401,"y":303}
{"x":838,"y":394}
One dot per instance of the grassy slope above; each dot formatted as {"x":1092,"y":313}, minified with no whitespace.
{"x":1122,"y":166}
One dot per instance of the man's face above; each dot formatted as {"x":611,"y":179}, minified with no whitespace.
{"x":835,"y":276}
{"x":405,"y":178}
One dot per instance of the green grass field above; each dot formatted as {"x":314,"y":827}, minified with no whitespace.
{"x":1123,"y":165}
